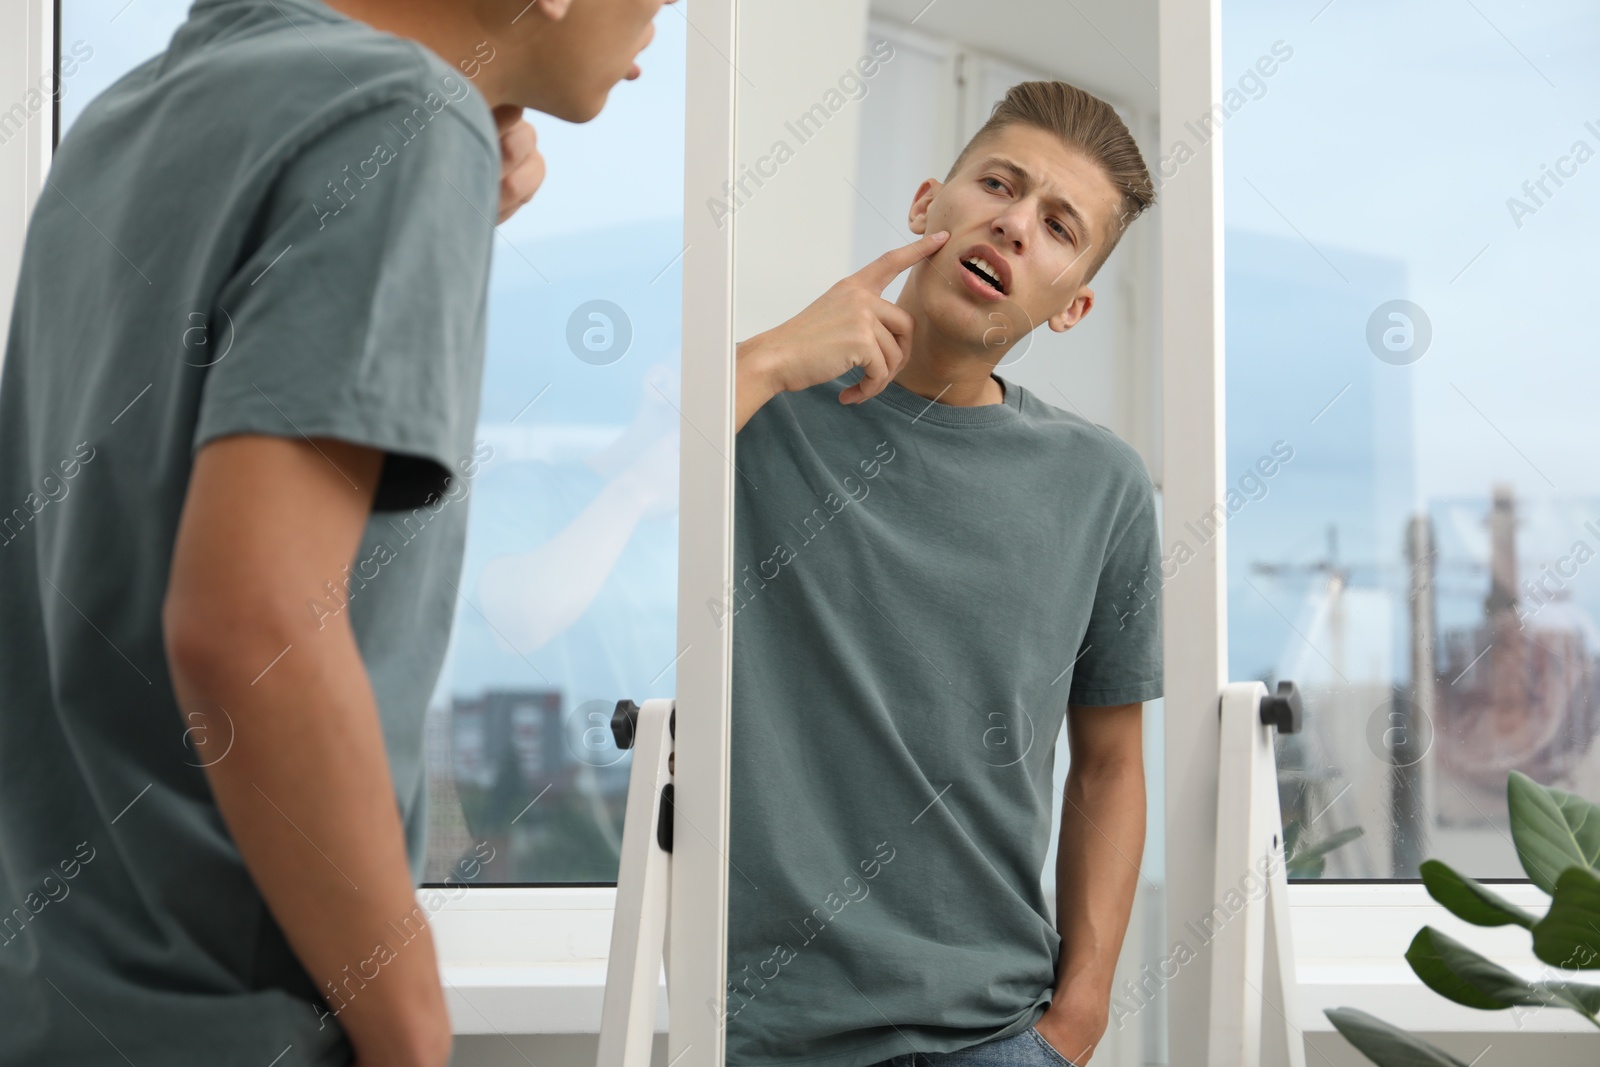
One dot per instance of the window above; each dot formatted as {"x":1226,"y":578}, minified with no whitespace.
{"x":1410,"y":525}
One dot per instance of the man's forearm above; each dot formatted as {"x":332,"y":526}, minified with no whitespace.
{"x":1102,"y":840}
{"x":306,"y":793}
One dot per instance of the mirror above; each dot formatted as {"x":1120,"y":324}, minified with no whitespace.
{"x":926,"y":580}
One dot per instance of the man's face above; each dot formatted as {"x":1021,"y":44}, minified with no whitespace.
{"x":576,"y":59}
{"x":1032,"y":212}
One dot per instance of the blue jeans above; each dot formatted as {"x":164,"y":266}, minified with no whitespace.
{"x":1027,"y":1049}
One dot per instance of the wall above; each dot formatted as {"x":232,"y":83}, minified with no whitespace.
{"x":795,"y":207}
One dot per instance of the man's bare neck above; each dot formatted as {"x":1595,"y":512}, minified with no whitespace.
{"x":972,"y":385}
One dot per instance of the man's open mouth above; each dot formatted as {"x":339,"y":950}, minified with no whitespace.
{"x":985,"y":271}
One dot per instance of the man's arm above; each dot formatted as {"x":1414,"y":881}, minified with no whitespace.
{"x":305,"y":787}
{"x":1097,"y":870}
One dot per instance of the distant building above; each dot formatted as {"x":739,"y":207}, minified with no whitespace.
{"x":1520,"y":690}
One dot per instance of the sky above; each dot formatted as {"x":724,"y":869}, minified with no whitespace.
{"x":1397,"y":132}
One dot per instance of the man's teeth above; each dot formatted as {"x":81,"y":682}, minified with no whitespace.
{"x":983,"y":267}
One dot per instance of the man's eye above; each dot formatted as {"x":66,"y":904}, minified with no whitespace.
{"x":996,"y":182}
{"x":1062,"y":230}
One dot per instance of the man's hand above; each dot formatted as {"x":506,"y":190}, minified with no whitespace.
{"x":521,"y":165}
{"x":850,"y":325}
{"x":1074,"y":1025}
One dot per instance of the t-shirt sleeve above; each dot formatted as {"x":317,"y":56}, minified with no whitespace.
{"x":1119,"y":661}
{"x":358,"y":309}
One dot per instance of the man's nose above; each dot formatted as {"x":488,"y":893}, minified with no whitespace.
{"x":1011,"y":229}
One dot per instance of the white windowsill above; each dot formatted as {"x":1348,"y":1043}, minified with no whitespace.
{"x":1350,"y":944}
{"x":533,"y":961}
{"x":554,"y":999}
{"x":527,"y":961}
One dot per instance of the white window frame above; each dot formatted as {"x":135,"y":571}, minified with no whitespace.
{"x":27,"y":39}
{"x":1349,"y":939}
{"x":520,"y":960}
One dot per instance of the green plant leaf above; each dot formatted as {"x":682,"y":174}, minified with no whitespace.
{"x":1386,"y":1045}
{"x":1343,"y":837}
{"x":1552,"y":830}
{"x":1471,"y":901}
{"x":1303,"y":868}
{"x":1308,"y":861}
{"x":1579,"y":996}
{"x":1569,"y":934}
{"x":1457,"y":973}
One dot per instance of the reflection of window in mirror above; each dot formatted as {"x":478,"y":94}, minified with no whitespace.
{"x":947,"y":542}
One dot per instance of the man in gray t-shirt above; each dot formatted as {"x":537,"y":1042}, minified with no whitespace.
{"x":932,"y":565}
{"x":237,"y":411}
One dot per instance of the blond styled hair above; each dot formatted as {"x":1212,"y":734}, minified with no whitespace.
{"x":1084,"y":122}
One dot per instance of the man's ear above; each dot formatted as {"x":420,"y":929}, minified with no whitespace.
{"x":917,"y":219}
{"x":1073,"y":313}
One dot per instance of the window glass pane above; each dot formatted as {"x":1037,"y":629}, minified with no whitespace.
{"x":568,"y":594}
{"x":1410,"y":201}
{"x":101,"y":40}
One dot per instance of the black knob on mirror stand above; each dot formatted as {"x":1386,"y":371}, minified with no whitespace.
{"x":1283,"y":708}
{"x":624,"y":723}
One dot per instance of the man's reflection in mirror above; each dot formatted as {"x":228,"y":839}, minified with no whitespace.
{"x":933,"y":567}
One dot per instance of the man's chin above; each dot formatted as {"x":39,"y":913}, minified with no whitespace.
{"x":968,"y":322}
{"x":574,"y":107}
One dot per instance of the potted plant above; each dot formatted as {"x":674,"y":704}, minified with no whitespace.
{"x":1557,"y":838}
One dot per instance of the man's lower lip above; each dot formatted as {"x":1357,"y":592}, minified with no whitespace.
{"x":634,"y":72}
{"x":982,"y":288}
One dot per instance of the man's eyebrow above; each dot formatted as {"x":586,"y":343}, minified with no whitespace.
{"x":1026,"y":180}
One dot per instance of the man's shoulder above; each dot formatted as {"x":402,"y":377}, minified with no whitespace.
{"x":274,"y":70}
{"x":1084,"y":442}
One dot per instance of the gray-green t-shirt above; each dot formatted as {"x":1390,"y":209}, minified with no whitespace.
{"x":281,"y":225}
{"x":920,"y":592}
